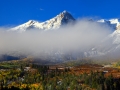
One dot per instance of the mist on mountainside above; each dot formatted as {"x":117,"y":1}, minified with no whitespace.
{"x":79,"y":37}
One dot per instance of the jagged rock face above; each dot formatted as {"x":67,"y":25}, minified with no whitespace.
{"x":54,"y":23}
{"x":66,"y":17}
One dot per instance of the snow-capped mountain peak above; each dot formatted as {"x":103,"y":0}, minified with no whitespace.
{"x":66,"y":17}
{"x":54,"y":23}
{"x":113,"y":23}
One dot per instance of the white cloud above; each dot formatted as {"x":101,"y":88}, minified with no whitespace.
{"x":41,"y":9}
{"x":79,"y":37}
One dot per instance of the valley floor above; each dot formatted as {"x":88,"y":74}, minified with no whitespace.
{"x":25,"y":75}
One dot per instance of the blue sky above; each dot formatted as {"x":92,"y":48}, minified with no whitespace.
{"x":14,"y":12}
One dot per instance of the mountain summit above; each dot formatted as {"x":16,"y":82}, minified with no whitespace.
{"x":54,"y":23}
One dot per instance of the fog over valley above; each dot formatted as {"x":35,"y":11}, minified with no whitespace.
{"x":79,"y":37}
{"x":60,"y":38}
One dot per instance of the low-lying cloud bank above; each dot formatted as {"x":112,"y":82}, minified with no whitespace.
{"x":81,"y":36}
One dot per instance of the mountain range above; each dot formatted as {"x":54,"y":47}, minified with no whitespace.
{"x":112,"y":41}
{"x":60,"y":20}
{"x":54,"y":23}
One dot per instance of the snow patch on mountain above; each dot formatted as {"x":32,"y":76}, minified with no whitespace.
{"x":109,"y":46}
